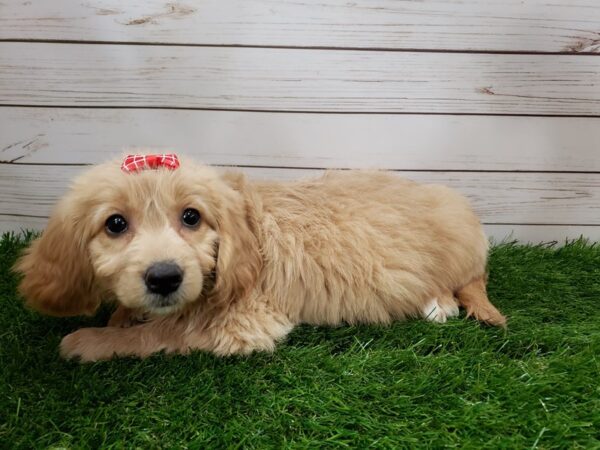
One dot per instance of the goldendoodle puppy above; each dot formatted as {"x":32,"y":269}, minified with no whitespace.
{"x":198,"y":259}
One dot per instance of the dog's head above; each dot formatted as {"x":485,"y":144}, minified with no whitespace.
{"x":156,"y":239}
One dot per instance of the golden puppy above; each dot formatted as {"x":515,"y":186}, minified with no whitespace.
{"x":208,"y":261}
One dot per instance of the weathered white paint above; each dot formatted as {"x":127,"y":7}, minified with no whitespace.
{"x":297,"y":80}
{"x":541,"y":233}
{"x":499,"y":198}
{"x":515,"y":25}
{"x":403,"y":142}
{"x":16,"y":224}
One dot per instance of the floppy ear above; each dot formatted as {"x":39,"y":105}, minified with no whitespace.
{"x":238,"y":256}
{"x":57,"y":274}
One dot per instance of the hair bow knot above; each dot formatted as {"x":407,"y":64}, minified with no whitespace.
{"x":136,"y":163}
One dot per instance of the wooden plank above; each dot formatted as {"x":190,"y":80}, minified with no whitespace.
{"x":497,"y":233}
{"x":499,"y":198}
{"x":497,"y":25}
{"x":297,"y":80}
{"x":19,"y":224}
{"x":401,"y":142}
{"x":536,"y":234}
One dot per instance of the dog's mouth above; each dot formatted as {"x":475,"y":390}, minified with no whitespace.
{"x":158,"y":301}
{"x":172,"y":302}
{"x":163,"y":305}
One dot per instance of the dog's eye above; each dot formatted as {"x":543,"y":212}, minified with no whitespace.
{"x":115,"y":224}
{"x":190,"y":217}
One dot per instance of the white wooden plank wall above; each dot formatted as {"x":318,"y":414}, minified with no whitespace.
{"x":497,"y":98}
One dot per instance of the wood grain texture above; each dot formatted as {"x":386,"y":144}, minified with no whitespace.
{"x":499,"y":198}
{"x":17,"y":224}
{"x":536,"y":234}
{"x":401,"y":142}
{"x":497,"y":233}
{"x":496,"y":25}
{"x":297,"y":80}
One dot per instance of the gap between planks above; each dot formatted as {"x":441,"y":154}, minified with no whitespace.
{"x":306,"y":47}
{"x":301,"y":111}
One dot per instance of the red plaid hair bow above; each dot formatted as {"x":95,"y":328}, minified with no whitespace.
{"x":135,"y":163}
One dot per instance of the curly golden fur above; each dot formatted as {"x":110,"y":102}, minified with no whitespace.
{"x":350,"y":246}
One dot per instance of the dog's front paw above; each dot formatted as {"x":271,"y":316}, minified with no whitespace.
{"x":86,"y":345}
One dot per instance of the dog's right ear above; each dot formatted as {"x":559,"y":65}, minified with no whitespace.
{"x":57,"y":274}
{"x":238,"y":261}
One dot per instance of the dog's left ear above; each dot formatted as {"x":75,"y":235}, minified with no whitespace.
{"x":239,"y":260}
{"x":57,"y":275}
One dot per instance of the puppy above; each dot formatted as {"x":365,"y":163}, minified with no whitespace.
{"x":199,"y":260}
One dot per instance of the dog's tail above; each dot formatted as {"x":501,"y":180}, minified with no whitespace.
{"x":473,"y":297}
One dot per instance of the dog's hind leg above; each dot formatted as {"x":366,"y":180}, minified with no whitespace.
{"x":473,"y":297}
{"x":440,"y":308}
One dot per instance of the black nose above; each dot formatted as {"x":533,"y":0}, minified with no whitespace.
{"x":163,"y":278}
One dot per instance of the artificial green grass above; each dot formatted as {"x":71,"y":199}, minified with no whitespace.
{"x":412,"y":385}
